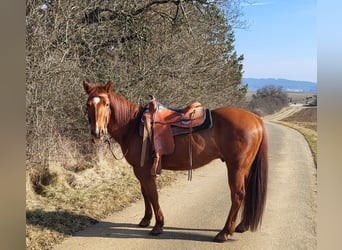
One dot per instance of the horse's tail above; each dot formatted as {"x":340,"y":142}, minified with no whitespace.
{"x":256,"y":187}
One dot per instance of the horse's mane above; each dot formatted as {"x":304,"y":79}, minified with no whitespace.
{"x":124,"y":110}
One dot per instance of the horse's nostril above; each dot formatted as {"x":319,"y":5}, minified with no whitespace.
{"x":95,"y":133}
{"x":102,"y":131}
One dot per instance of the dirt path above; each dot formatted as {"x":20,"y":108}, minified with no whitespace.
{"x":283,"y":113}
{"x":195,"y":211}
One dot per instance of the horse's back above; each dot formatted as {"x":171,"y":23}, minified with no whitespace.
{"x":236,"y":118}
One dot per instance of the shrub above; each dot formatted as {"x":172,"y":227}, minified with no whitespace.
{"x":268,"y":100}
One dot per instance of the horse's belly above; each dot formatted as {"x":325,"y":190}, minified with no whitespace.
{"x":200,"y":153}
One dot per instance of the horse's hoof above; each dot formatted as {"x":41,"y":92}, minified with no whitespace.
{"x":156,"y":231}
{"x":221,"y":237}
{"x":144,"y":223}
{"x":240,"y":228}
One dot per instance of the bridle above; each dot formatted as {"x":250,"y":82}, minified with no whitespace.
{"x":107,"y":140}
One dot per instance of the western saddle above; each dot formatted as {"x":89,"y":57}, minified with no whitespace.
{"x":160,"y":124}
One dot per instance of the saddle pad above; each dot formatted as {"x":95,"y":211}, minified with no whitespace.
{"x":208,"y":123}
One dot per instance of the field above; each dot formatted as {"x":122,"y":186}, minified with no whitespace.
{"x":297,"y":97}
{"x":306,"y":118}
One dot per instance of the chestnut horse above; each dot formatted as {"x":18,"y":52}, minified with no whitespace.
{"x":237,"y":137}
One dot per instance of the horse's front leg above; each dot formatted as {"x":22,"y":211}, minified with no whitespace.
{"x":146,"y":220}
{"x":151,"y":191}
{"x":150,"y":194}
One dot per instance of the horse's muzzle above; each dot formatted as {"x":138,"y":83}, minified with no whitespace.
{"x":99,"y":135}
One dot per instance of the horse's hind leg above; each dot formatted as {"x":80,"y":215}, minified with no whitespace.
{"x":237,"y":191}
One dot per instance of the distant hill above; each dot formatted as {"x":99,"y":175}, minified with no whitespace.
{"x":288,"y":85}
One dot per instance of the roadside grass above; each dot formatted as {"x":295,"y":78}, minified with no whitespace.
{"x":305,"y":122}
{"x":61,"y":201}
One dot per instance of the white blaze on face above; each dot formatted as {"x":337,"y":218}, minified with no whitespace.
{"x":96,"y":100}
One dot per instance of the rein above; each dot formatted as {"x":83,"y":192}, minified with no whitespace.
{"x":107,"y":140}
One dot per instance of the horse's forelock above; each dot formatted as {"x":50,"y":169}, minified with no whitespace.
{"x":97,"y":89}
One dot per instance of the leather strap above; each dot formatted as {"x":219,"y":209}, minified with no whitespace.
{"x":144,"y":145}
{"x":190,"y":147}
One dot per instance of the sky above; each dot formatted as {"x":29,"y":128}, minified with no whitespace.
{"x":280,"y":39}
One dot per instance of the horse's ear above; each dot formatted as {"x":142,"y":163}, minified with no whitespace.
{"x":86,"y":86}
{"x":108,"y":86}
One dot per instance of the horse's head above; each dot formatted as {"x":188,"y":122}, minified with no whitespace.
{"x":98,"y":108}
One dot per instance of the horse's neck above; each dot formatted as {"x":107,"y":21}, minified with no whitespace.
{"x":123,"y":118}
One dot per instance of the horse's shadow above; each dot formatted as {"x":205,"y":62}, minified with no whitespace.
{"x":130,"y":231}
{"x":61,"y":221}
